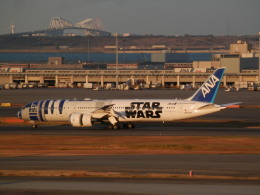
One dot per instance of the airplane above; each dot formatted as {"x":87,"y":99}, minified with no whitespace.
{"x":125,"y":112}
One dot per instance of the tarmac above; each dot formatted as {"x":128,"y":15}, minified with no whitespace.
{"x":125,"y":186}
{"x":233,"y":165}
{"x":167,"y":129}
{"x":244,"y":122}
{"x":23,"y":96}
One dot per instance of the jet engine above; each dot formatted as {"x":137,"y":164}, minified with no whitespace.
{"x":80,"y":120}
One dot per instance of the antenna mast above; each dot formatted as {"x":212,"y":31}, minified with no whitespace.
{"x":12,"y":28}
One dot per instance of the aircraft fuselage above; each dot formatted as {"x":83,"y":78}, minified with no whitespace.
{"x":135,"y":110}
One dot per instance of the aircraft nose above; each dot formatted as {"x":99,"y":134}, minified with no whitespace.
{"x":19,"y":114}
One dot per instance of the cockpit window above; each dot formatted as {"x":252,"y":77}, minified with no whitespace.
{"x":28,"y":105}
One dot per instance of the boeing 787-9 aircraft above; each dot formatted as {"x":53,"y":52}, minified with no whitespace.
{"x":124,"y":113}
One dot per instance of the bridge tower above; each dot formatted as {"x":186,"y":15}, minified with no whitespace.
{"x":57,"y":26}
{"x":92,"y":27}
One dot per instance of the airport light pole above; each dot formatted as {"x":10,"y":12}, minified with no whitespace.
{"x":259,"y":57}
{"x":88,"y":48}
{"x":116,"y":60}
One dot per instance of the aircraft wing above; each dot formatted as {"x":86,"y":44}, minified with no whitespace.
{"x":106,"y":111}
{"x":101,"y":112}
{"x":106,"y":108}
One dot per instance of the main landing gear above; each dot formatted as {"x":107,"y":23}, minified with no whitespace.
{"x":114,"y":127}
{"x":125,"y":126}
{"x":128,"y":125}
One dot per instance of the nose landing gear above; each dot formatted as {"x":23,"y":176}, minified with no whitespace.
{"x":34,"y":126}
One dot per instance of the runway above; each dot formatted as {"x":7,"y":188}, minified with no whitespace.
{"x":229,"y":165}
{"x":236,"y":165}
{"x":97,"y":186}
{"x":141,"y":130}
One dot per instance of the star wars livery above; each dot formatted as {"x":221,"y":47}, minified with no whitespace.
{"x":118,"y":113}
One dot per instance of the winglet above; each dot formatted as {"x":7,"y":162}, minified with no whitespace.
{"x":208,"y":91}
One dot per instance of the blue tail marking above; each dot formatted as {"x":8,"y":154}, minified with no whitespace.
{"x":208,"y":91}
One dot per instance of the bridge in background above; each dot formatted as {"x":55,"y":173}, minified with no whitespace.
{"x":57,"y":26}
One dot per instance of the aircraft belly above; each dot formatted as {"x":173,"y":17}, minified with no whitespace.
{"x":54,"y":117}
{"x":207,"y":111}
{"x":140,"y":120}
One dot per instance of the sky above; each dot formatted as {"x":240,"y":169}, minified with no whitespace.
{"x":157,"y":17}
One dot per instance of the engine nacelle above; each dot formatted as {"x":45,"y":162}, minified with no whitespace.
{"x":80,"y":120}
{"x":86,"y":120}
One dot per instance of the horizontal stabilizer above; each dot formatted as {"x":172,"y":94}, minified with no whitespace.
{"x":230,"y":104}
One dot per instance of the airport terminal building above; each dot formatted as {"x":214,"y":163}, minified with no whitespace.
{"x":241,"y":66}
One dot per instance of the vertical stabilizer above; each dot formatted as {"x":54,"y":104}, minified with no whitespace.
{"x":207,"y":92}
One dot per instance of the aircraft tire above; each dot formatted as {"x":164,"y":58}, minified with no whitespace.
{"x":116,"y":127}
{"x":35,"y":126}
{"x":130,"y":126}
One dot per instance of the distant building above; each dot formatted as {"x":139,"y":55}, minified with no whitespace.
{"x":236,"y":64}
{"x":177,"y":65}
{"x":231,"y":62}
{"x":206,"y":64}
{"x":249,"y":63}
{"x":240,"y":48}
{"x":56,"y":60}
{"x":239,"y":59}
{"x":158,"y":57}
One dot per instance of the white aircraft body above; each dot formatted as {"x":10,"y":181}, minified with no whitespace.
{"x":87,"y":112}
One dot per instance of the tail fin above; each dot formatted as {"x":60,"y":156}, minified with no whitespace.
{"x":207,"y":92}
